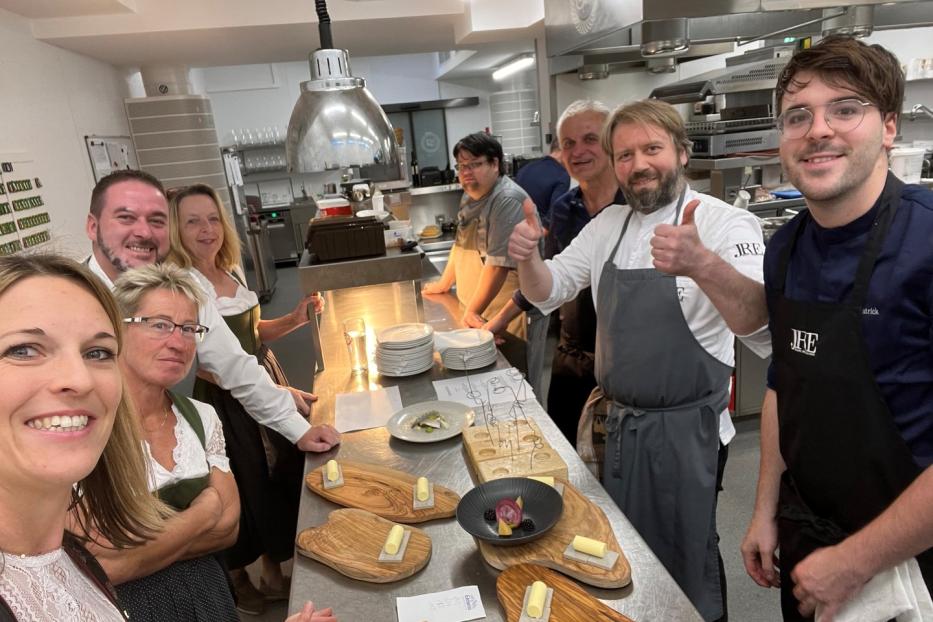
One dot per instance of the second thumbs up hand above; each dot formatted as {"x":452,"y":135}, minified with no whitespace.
{"x":677,"y":249}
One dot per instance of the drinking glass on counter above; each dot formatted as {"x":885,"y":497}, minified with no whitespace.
{"x":354,"y":331}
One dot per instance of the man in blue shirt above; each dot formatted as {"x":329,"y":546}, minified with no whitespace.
{"x":845,"y":488}
{"x":545,"y":180}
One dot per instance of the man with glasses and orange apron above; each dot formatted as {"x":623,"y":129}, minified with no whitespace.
{"x":479,"y":264}
{"x":673,"y":274}
{"x":845,"y":489}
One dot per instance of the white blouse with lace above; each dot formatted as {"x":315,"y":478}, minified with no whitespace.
{"x":51,"y":587}
{"x":243,"y":300}
{"x":191,"y":460}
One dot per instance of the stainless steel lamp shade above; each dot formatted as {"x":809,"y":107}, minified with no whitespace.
{"x":337,"y":122}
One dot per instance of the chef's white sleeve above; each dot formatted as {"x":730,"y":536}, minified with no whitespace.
{"x":240,"y":373}
{"x":571,"y":269}
{"x":743,"y":247}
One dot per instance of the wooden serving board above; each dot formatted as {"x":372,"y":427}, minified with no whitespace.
{"x":382,"y":491}
{"x":570,"y":602}
{"x":580,"y":517}
{"x":351,"y":540}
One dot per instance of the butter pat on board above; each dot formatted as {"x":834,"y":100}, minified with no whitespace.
{"x":394,"y":540}
{"x":422,"y":488}
{"x":333,"y":471}
{"x":589,"y":546}
{"x":535,"y":606}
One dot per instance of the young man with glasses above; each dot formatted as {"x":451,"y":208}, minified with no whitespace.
{"x":479,"y":262}
{"x":845,"y":489}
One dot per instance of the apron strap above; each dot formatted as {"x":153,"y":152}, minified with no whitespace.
{"x":888,"y":206}
{"x":680,"y":202}
{"x":889,"y":203}
{"x":190,"y":413}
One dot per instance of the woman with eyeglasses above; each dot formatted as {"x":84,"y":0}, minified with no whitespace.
{"x":175,"y":576}
{"x":268,"y":468}
{"x":68,"y":440}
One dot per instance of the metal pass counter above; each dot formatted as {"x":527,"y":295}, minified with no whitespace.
{"x":455,"y":560}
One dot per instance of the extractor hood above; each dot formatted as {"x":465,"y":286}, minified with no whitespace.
{"x":336,"y":122}
{"x":618,"y":35}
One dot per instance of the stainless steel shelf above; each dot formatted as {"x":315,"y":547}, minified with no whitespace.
{"x":436,"y":189}
{"x":721,"y":164}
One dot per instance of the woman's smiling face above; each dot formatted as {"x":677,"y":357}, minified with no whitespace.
{"x":60,"y":383}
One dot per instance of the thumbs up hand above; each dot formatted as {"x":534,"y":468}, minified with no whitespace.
{"x":677,"y":249}
{"x":523,"y":243}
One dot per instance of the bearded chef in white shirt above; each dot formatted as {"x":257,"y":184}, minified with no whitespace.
{"x":128,"y":228}
{"x":673,"y":274}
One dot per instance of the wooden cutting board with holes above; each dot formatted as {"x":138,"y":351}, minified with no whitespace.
{"x":513,"y":448}
{"x":580,"y":517}
{"x":570,"y":602}
{"x":382,"y":491}
{"x":351,"y":540}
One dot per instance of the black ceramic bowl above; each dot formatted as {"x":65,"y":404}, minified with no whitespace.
{"x":542,"y":504}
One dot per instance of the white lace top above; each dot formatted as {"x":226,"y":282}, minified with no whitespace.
{"x":51,"y":587}
{"x":190,"y":459}
{"x":243,"y":300}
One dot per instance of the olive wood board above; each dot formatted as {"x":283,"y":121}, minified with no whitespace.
{"x":385,"y":492}
{"x":351,"y":540}
{"x":569,"y":602}
{"x":580,"y":517}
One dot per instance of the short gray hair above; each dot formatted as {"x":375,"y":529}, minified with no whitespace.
{"x":582,"y":106}
{"x":132,"y":285}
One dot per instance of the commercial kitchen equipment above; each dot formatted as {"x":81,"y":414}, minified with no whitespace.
{"x":258,"y":261}
{"x":732,"y":109}
{"x":257,"y":256}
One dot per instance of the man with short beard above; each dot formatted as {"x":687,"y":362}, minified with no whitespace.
{"x":845,"y":487}
{"x":664,"y":343}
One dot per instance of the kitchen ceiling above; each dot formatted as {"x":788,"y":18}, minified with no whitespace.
{"x":200,"y":33}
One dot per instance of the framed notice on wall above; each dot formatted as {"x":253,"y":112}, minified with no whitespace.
{"x":110,"y":153}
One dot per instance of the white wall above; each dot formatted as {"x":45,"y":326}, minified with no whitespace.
{"x":50,"y":100}
{"x":907,"y":45}
{"x":250,"y":96}
{"x":256,"y":96}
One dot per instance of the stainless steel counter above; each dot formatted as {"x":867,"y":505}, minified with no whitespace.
{"x":455,"y":560}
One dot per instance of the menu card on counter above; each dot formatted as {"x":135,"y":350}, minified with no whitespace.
{"x":366,"y":409}
{"x":456,"y":605}
{"x":501,"y":386}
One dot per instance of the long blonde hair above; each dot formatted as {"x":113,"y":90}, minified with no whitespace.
{"x":228,"y":257}
{"x":114,"y":498}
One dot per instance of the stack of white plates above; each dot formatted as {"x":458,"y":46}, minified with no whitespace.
{"x":468,"y":348}
{"x":405,"y":349}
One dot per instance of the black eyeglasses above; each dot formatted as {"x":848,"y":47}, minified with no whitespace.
{"x":160,"y":328}
{"x":470,"y":166}
{"x":842,"y":116}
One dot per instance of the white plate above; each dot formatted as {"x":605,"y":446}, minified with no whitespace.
{"x":458,"y":416}
{"x":404,"y":335}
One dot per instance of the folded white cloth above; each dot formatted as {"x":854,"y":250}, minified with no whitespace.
{"x":897,"y":593}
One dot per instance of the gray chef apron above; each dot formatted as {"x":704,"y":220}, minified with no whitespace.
{"x":662,"y":442}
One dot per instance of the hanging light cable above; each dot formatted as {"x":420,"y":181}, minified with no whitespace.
{"x":336,"y":121}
